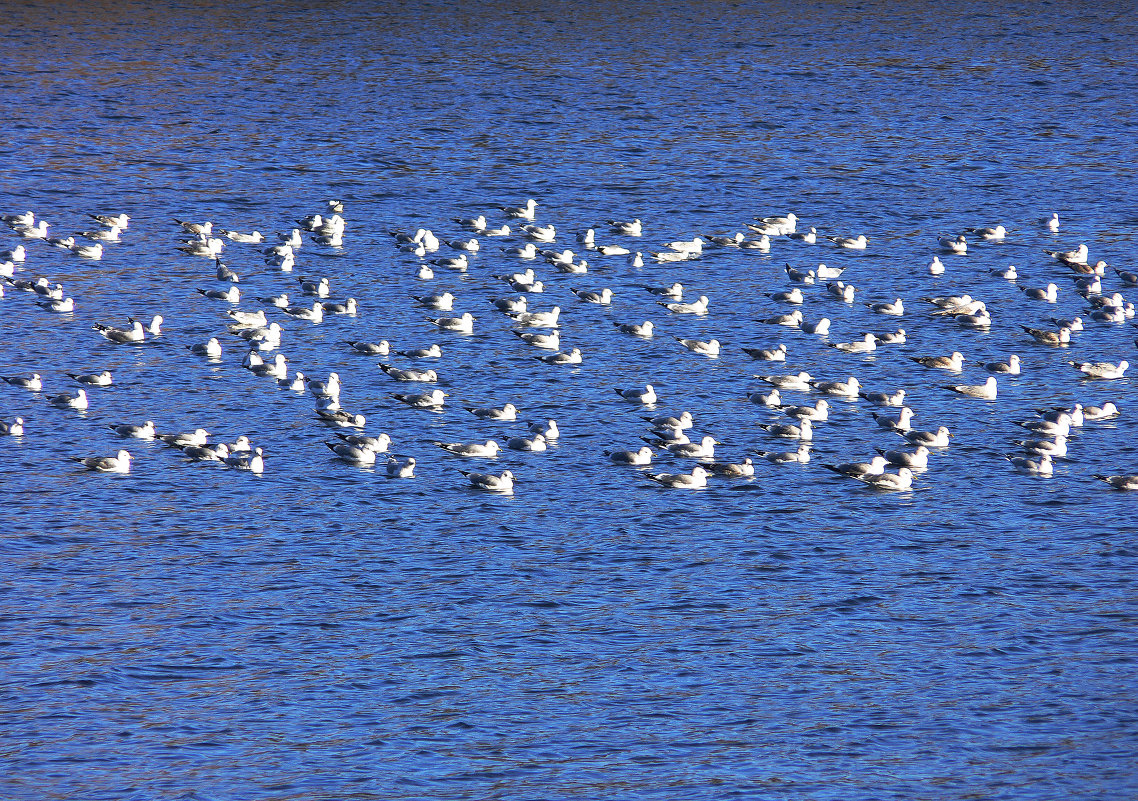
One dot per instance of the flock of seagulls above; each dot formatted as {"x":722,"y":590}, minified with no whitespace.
{"x":534,"y":261}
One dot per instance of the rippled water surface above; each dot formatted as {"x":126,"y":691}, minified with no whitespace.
{"x":321,"y":632}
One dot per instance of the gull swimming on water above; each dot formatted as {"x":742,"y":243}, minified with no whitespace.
{"x":899,"y":481}
{"x":697,"y":479}
{"x":638,"y":458}
{"x":775,"y":354}
{"x":1101,"y":369}
{"x":874,"y":467}
{"x":643,"y":329}
{"x":119,"y":463}
{"x":535,"y":443}
{"x":102,"y":379}
{"x":1121,"y":482}
{"x":645,"y":396}
{"x":67,"y":401}
{"x":709,"y":348}
{"x":400,"y":468}
{"x":1041,"y":466}
{"x":985,"y":391}
{"x":930,"y":439}
{"x":695,"y":307}
{"x":800,"y":456}
{"x":1010,"y":366}
{"x":507,"y":412}
{"x":503,"y":482}
{"x":427,"y":400}
{"x":953,"y":362}
{"x":14,"y":428}
{"x":896,"y":398}
{"x":916,"y":459}
{"x":33,"y":382}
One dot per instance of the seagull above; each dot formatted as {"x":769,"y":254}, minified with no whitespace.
{"x":525,"y":212}
{"x":381,"y":348}
{"x":916,"y":459}
{"x":550,"y":341}
{"x":378,"y":444}
{"x":896,"y":398}
{"x":429,"y":352}
{"x":1040,"y":466}
{"x":61,"y":306}
{"x":547,"y":428}
{"x":954,"y":362}
{"x":503,"y":482}
{"x":954,"y":244}
{"x":901,"y":480}
{"x":695,"y":307}
{"x":704,"y":449}
{"x":315,"y":313}
{"x":14,"y":428}
{"x":119,"y":463}
{"x":743,"y":469}
{"x":803,"y":430}
{"x":817,"y":413}
{"x":859,"y":242}
{"x":631,"y":228}
{"x":253,"y":462}
{"x":424,"y":376}
{"x":319,"y":288}
{"x":866,"y":345}
{"x":341,"y":417}
{"x":800,"y":456}
{"x":122,"y":335}
{"x":930,"y":439}
{"x":507,"y":412}
{"x":469,"y":245}
{"x":1057,"y":446}
{"x":397,"y":468}
{"x":352,"y":454}
{"x":428,"y":400}
{"x":33,"y":382}
{"x":985,"y":391}
{"x":775,"y":354}
{"x":1044,"y":337}
{"x":709,"y":348}
{"x":1077,"y":256}
{"x":643,"y":329}
{"x":442,"y":301}
{"x":206,"y":453}
{"x":66,"y":401}
{"x":800,"y":381}
{"x":645,"y":396}
{"x":231,"y":295}
{"x":540,"y":233}
{"x":640,"y":458}
{"x":821,"y":328}
{"x":1008,"y":273}
{"x":1048,"y":294}
{"x":694,"y":480}
{"x":895,"y":422}
{"x":847,"y":389}
{"x":799,"y":276}
{"x":1123,"y":482}
{"x":1052,"y":222}
{"x":1104,"y":412}
{"x":1101,"y":369}
{"x":793,"y":296}
{"x":510,"y":305}
{"x":572,"y":357}
{"x":102,"y":379}
{"x":459,"y":325}
{"x":682,"y":421}
{"x":992,"y":234}
{"x":841,"y":290}
{"x":771,"y":399}
{"x":253,"y":319}
{"x":602,"y":298}
{"x":874,"y":467}
{"x":535,"y":443}
{"x":253,"y":238}
{"x":197,"y":437}
{"x":1011,"y":366}
{"x":896,"y":308}
{"x":791,"y":320}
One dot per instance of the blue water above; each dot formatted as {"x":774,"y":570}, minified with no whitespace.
{"x":320,"y":632}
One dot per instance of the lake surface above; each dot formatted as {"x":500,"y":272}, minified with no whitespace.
{"x":321,"y":632}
